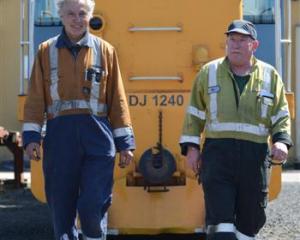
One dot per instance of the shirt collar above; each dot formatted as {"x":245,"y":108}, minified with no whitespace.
{"x":226,"y":64}
{"x":63,"y":41}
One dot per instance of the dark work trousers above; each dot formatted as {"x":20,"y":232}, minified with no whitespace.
{"x":232,"y":178}
{"x":78,"y":168}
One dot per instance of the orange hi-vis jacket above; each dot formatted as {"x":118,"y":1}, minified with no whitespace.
{"x":91,"y":83}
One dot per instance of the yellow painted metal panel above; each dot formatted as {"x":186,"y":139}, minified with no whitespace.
{"x":275,"y":183}
{"x":135,"y":211}
{"x":9,"y":67}
{"x":160,"y":46}
{"x":21,"y":103}
{"x":37,"y":180}
{"x":295,"y":19}
{"x":9,"y":62}
{"x":291,"y":101}
{"x":165,"y":53}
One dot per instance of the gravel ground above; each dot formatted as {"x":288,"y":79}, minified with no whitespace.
{"x":283,"y":214}
{"x":24,"y":218}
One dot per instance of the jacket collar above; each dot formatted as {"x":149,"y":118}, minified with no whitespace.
{"x":63,"y":41}
{"x":225,"y":64}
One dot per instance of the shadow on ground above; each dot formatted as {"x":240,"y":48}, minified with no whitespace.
{"x":22,"y":217}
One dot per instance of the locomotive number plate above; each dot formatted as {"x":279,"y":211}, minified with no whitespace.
{"x":156,"y":100}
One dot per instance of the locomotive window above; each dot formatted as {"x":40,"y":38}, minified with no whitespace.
{"x":46,"y":13}
{"x":259,"y":11}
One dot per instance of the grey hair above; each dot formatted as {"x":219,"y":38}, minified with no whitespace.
{"x":89,"y":4}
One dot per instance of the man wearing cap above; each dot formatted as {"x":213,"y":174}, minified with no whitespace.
{"x":239,"y":103}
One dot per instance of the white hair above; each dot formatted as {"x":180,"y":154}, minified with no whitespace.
{"x":89,"y":5}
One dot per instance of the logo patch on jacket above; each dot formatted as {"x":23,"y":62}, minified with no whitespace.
{"x":214,"y":89}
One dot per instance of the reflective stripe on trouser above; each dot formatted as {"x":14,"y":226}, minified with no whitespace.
{"x":241,"y":236}
{"x":88,"y":238}
{"x":226,"y":231}
{"x":221,"y":231}
{"x":78,"y":168}
{"x":232,"y":183}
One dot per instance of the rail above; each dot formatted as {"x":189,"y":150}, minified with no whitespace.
{"x":149,"y":78}
{"x":153,"y":29}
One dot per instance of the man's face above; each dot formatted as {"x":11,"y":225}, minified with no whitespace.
{"x":75,"y":19}
{"x":240,"y":48}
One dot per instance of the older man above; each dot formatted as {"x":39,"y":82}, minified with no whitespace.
{"x":238,"y":102}
{"x":76,"y":84}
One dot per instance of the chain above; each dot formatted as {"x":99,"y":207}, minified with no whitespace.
{"x":160,"y":118}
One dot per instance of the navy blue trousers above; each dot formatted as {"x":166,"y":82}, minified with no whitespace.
{"x":78,"y":167}
{"x":233,"y":185}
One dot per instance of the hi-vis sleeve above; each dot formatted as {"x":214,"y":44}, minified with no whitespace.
{"x":118,"y":110}
{"x":35,"y":104}
{"x":280,"y":119}
{"x":195,"y":116}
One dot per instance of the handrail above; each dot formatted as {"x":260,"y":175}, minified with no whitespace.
{"x":153,"y":29}
{"x":279,"y":41}
{"x":278,"y":57}
{"x":288,"y":44}
{"x":31,"y":34}
{"x":21,"y":49}
{"x":163,"y":78}
{"x":26,"y":42}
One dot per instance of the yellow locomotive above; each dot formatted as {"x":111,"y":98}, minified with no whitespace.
{"x":161,"y":45}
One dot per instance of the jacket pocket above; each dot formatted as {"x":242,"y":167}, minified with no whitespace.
{"x":265,"y":102}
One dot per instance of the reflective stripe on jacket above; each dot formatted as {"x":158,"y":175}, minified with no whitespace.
{"x":262,"y":108}
{"x":63,"y":85}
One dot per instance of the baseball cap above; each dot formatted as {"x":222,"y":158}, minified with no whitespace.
{"x":243,"y":27}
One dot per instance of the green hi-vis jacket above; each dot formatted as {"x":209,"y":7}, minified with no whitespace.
{"x":218,"y":109}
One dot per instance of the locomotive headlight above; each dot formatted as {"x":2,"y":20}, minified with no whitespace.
{"x":97,"y":23}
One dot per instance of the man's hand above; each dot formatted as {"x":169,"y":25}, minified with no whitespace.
{"x":279,"y":152}
{"x":33,"y":151}
{"x":3,"y":133}
{"x":193,"y":158}
{"x":126,"y":156}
